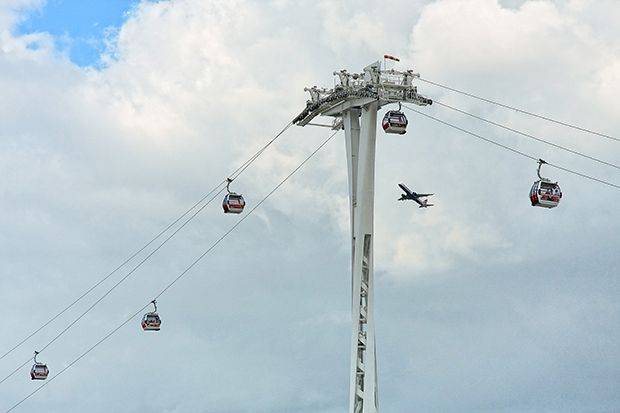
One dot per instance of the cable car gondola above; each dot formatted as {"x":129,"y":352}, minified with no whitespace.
{"x":544,"y":193}
{"x":395,"y":121}
{"x":39,"y":371}
{"x":151,"y":321}
{"x":233,"y":203}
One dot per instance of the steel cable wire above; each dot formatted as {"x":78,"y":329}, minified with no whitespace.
{"x":117,"y":284}
{"x":175,"y":280}
{"x":236,"y":173}
{"x":525,"y":112}
{"x":555,"y":145}
{"x":512,"y":149}
{"x":102,"y":280}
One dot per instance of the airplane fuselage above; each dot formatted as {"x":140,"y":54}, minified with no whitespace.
{"x":420,"y":199}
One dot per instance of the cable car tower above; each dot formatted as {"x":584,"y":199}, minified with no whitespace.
{"x":353,"y":104}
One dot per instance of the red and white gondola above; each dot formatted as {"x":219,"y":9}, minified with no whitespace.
{"x":39,"y":371}
{"x":151,"y":321}
{"x":233,"y":203}
{"x":544,"y":193}
{"x":395,"y":121}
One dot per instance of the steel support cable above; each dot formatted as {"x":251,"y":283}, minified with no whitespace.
{"x":525,"y":112}
{"x":518,"y":152}
{"x":243,"y":167}
{"x":175,"y":280}
{"x":104,"y":338}
{"x":564,"y":148}
{"x":117,"y":284}
{"x":236,"y":173}
{"x":102,"y":280}
{"x":246,"y":216}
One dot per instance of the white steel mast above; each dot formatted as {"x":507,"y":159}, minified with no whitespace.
{"x":354,"y":103}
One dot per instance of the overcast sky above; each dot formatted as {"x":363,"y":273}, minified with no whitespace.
{"x":116,"y":119}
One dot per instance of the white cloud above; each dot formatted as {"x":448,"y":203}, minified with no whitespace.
{"x":13,"y":11}
{"x":95,"y":160}
{"x":439,"y":243}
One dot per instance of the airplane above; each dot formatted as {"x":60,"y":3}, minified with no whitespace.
{"x":409,"y":194}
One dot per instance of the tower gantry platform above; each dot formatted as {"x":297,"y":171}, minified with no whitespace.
{"x":353,"y":104}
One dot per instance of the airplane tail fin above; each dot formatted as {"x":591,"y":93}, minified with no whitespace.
{"x":425,"y":204}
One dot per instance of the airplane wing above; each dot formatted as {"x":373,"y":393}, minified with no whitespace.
{"x":422,"y":195}
{"x":404,"y":188}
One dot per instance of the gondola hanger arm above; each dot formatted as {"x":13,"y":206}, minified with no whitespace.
{"x":540,"y":164}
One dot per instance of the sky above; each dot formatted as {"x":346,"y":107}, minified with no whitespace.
{"x":80,"y":28}
{"x":117,"y":116}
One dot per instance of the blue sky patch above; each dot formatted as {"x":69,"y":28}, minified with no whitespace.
{"x":79,"y":26}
